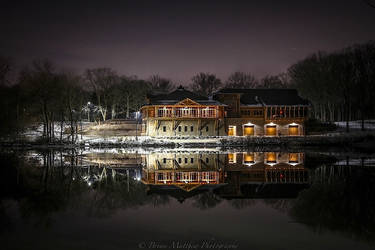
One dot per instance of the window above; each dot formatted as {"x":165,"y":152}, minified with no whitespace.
{"x":258,"y":112}
{"x":179,"y":128}
{"x":245,"y":112}
{"x":293,"y":130}
{"x":207,"y":160}
{"x":194,"y":176}
{"x":191,"y":128}
{"x":186,"y":160}
{"x":179,"y":160}
{"x":206,"y":128}
{"x":164,"y":129}
{"x":248,"y":158}
{"x":293,"y":158}
{"x":271,"y":157}
{"x":191,"y":160}
{"x":271,"y":130}
{"x":232,"y":158}
{"x":232,"y":130}
{"x":185,"y":128}
{"x":248,"y":130}
{"x":164,"y":160}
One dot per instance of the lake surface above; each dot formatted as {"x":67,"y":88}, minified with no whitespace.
{"x":186,"y":199}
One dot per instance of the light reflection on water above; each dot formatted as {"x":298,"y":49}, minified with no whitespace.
{"x":261,"y":200}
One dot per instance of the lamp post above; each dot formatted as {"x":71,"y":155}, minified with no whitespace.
{"x":88,"y":111}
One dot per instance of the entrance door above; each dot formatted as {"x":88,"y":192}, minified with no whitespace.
{"x":293,"y":130}
{"x":271,"y":130}
{"x":232,"y":130}
{"x":248,"y":130}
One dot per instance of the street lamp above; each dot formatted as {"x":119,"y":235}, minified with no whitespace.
{"x":88,"y":111}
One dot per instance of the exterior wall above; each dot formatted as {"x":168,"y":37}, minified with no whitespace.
{"x":261,"y":157}
{"x":185,"y":161}
{"x":158,"y":116}
{"x":282,"y":127}
{"x":151,"y":128}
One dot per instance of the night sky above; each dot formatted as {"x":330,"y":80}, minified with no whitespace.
{"x":178,"y":39}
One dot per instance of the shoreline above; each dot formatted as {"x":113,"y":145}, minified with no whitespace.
{"x":358,"y":141}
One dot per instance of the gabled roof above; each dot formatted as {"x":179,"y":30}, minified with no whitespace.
{"x":266,"y":96}
{"x":179,"y":95}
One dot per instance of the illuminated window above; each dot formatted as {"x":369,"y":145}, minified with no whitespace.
{"x":232,"y":158}
{"x":293,"y":130}
{"x":271,"y":157}
{"x":248,"y":130}
{"x":232,"y":130}
{"x":248,"y":158}
{"x":271,"y":130}
{"x":293,"y":158}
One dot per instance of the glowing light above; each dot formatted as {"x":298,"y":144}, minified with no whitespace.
{"x":293,"y":124}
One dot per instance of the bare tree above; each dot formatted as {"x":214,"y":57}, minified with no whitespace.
{"x":205,"y":83}
{"x":101,"y":80}
{"x":5,"y":69}
{"x":370,"y":3}
{"x":241,"y":80}
{"x":272,"y":82}
{"x":160,"y":84}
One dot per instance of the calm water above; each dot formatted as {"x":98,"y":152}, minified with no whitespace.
{"x":113,"y":199}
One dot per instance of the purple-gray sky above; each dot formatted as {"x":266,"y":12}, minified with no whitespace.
{"x":178,"y":39}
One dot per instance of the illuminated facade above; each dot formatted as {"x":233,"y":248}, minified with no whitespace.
{"x":231,"y":112}
{"x":182,"y":113}
{"x":263,"y":112}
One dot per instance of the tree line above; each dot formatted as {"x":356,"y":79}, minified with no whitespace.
{"x":42,"y":94}
{"x":340,"y":86}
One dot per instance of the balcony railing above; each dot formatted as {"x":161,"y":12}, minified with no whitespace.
{"x":286,"y":112}
{"x":188,"y":177}
{"x":188,"y":112}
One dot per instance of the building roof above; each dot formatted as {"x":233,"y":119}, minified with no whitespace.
{"x":178,"y":95}
{"x":266,"y":96}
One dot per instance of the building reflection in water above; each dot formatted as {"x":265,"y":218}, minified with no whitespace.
{"x":210,"y":170}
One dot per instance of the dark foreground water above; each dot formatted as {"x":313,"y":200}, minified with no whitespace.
{"x":110,"y":199}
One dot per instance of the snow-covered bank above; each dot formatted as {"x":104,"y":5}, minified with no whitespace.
{"x":361,"y":140}
{"x":368,"y":124}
